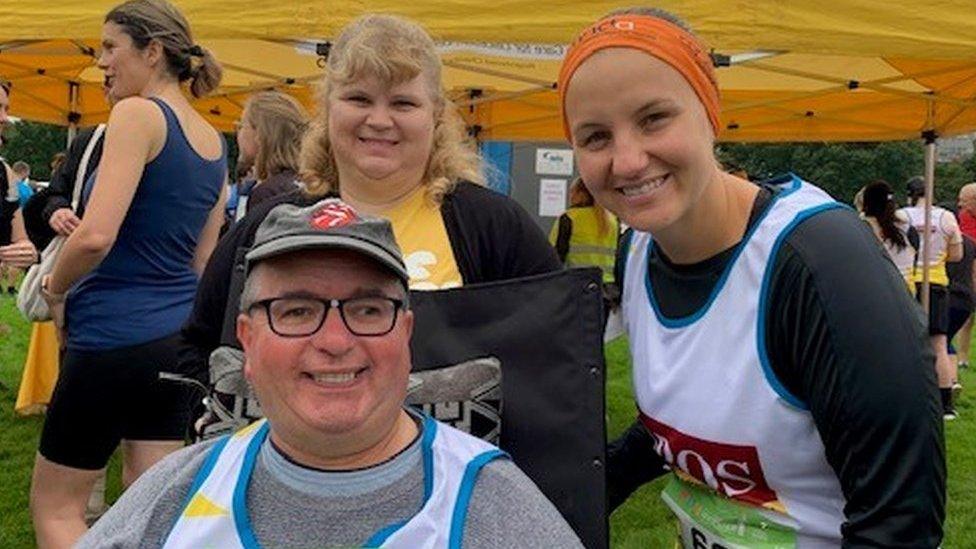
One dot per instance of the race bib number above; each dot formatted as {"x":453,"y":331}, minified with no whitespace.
{"x":710,"y":521}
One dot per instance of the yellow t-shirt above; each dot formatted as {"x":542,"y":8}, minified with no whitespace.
{"x":420,"y":232}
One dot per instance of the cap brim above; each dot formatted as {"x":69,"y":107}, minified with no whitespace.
{"x":322,"y":241}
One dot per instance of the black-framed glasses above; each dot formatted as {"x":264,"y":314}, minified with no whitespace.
{"x":303,"y":316}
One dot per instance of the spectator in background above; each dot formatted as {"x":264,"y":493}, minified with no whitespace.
{"x":586,"y":236}
{"x":892,"y":227}
{"x":269,"y":136}
{"x":16,"y":250}
{"x":9,"y":205}
{"x":57,"y":159}
{"x":962,"y":301}
{"x":967,"y":210}
{"x":945,"y":241}
{"x":967,"y":224}
{"x":25,"y":190}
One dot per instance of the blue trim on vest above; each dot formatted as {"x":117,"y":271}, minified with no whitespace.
{"x":768,"y":372}
{"x":460,"y":513}
{"x":205,"y":469}
{"x":694,"y":317}
{"x":427,"y":451}
{"x":241,"y":519}
{"x":381,"y":535}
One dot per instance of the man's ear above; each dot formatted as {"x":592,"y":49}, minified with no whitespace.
{"x":245,"y":333}
{"x":407,"y":321}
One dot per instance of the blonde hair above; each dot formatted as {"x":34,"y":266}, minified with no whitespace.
{"x":148,"y":20}
{"x":394,"y":50}
{"x":279,"y":122}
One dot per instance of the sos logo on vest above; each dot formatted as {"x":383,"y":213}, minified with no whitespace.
{"x":729,"y":469}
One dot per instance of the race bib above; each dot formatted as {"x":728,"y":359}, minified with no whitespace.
{"x":711,"y":521}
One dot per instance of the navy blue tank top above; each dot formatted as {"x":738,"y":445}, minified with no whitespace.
{"x":144,"y":288}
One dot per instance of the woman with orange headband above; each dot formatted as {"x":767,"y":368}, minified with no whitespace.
{"x":789,"y":390}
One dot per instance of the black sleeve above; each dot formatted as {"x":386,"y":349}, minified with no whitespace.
{"x":62,"y":186}
{"x":631,"y":463}
{"x":493,"y":238}
{"x":38,"y":231}
{"x":201,"y":333}
{"x":565,"y":231}
{"x":620,"y":256}
{"x":846,"y":338}
{"x":280,"y":183}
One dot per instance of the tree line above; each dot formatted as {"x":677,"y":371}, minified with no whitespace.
{"x":843,"y":168}
{"x":839,"y":168}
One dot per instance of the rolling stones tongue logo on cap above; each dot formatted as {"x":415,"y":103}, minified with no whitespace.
{"x":332,"y":215}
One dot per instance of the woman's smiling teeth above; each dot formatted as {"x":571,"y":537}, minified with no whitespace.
{"x":377,"y":141}
{"x":646,"y":187}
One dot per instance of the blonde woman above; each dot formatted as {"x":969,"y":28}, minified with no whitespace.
{"x":269,"y":137}
{"x":127,"y":274}
{"x":389,"y":142}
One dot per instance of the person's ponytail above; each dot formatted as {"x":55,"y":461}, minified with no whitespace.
{"x":205,"y":77}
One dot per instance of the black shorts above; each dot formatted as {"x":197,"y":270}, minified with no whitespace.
{"x":938,"y":308}
{"x":103,"y":397}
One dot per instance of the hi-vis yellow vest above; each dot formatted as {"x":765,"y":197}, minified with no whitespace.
{"x":587,"y":248}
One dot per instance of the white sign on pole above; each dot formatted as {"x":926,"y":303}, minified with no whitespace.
{"x":552,"y":197}
{"x":554,"y":162}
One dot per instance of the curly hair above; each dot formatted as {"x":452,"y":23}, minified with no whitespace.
{"x":394,"y":50}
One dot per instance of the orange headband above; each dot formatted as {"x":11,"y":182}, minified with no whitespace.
{"x":657,"y":37}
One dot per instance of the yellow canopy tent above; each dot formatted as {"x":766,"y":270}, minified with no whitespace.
{"x":813,"y":71}
{"x":826,"y":70}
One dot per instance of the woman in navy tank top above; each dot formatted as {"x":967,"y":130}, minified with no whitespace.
{"x":125,"y":280}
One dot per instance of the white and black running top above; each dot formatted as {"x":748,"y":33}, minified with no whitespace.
{"x":839,"y":346}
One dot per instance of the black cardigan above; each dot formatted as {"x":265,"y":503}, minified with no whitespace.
{"x":491,"y":236}
{"x":57,"y":195}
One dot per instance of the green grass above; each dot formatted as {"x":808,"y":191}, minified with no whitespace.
{"x":641,"y":522}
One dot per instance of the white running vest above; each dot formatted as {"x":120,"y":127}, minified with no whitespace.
{"x":215,"y":514}
{"x":937,"y":239}
{"x":715,"y":409}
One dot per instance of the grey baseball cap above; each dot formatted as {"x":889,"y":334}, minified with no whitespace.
{"x":328,"y":224}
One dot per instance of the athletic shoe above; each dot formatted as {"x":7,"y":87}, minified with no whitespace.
{"x":963,"y":365}
{"x":956,"y":388}
{"x":950,"y":414}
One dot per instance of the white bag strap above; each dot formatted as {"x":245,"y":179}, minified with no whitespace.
{"x":83,"y":165}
